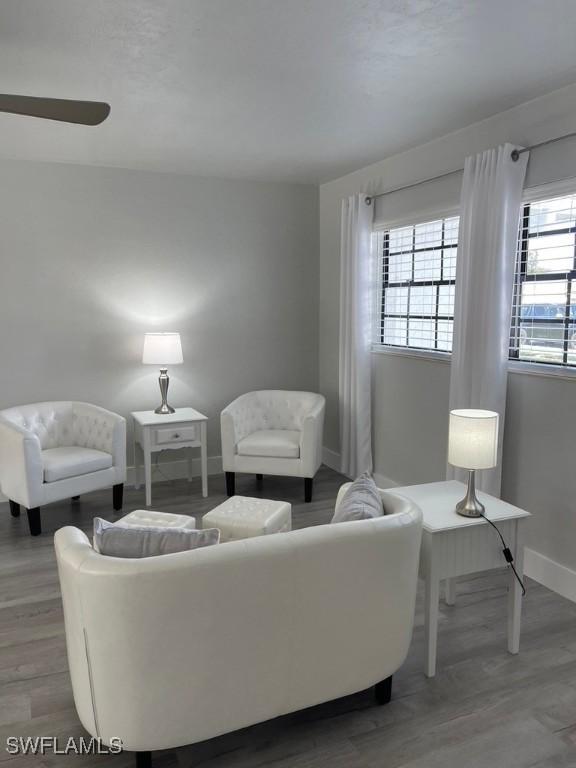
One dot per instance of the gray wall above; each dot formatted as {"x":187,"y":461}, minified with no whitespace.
{"x":409,"y":416}
{"x":94,"y":257}
{"x":410,"y":395}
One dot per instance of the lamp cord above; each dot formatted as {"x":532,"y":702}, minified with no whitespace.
{"x":507,"y":554}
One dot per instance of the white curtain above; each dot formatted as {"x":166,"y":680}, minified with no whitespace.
{"x":489,"y":218}
{"x":355,"y":335}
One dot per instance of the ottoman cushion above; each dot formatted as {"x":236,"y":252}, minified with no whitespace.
{"x":242,"y":517}
{"x":144,"y":517}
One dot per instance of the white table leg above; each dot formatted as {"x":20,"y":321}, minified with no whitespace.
{"x":515,"y":592}
{"x":450,"y":591}
{"x":432,"y":597}
{"x":204,"y":459}
{"x":147,"y":468}
{"x":136,"y":464}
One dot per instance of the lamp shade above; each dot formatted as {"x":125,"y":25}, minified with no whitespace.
{"x":162,"y":349}
{"x":473,"y":439}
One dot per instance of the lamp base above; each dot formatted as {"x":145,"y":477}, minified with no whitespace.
{"x":164,"y":408}
{"x":164,"y":381}
{"x":470,"y":506}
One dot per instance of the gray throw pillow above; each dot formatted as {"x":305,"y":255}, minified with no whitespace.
{"x":361,"y":501}
{"x":147,"y":541}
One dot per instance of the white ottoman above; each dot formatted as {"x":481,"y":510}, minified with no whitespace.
{"x":241,"y":517}
{"x":147,"y":517}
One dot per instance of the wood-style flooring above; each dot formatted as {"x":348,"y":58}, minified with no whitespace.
{"x":484,"y":709}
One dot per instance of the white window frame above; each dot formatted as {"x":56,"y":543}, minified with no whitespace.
{"x":531,"y":195}
{"x":390,"y":349}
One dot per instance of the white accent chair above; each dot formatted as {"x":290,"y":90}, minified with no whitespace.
{"x":273,"y":432}
{"x":279,"y":623}
{"x":59,"y":450}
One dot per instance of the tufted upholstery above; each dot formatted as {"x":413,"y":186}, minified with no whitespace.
{"x":57,"y":425}
{"x":140,"y":518}
{"x":268,"y":413}
{"x":270,"y":409}
{"x":173,"y":650}
{"x":242,"y":517}
{"x":27,"y":431}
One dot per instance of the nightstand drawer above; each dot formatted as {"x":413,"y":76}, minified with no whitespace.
{"x":175,"y":435}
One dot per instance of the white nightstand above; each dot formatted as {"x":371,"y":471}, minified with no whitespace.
{"x":454,"y":546}
{"x":185,"y":428}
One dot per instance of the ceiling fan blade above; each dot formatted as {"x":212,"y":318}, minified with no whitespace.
{"x":64,"y":110}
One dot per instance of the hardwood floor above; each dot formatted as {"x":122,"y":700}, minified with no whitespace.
{"x":485,"y":708}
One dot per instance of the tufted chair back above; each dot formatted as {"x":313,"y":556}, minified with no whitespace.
{"x":52,"y":423}
{"x":271,"y":409}
{"x":60,"y":424}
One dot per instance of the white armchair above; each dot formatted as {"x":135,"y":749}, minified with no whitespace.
{"x":273,"y":432}
{"x":54,"y":451}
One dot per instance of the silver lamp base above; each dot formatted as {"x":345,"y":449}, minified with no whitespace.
{"x":470,"y":506}
{"x":164,"y":381}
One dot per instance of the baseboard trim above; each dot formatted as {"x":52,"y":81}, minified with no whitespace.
{"x":384,"y":482}
{"x":559,"y":578}
{"x":331,"y":459}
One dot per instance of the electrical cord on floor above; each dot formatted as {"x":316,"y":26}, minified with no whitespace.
{"x":507,"y":554}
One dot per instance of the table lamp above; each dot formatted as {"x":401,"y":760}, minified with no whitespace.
{"x":162,"y":349}
{"x":472,"y":445}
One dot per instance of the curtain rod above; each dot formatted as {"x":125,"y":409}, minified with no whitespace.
{"x":515,"y":155}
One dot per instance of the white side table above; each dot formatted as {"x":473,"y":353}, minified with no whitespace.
{"x":454,"y":546}
{"x":186,"y":428}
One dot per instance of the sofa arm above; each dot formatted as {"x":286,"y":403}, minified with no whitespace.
{"x":311,"y":438}
{"x":103,"y":430}
{"x":21,"y":469}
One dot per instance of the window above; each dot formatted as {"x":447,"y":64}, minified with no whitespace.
{"x":417,"y":273}
{"x":544,"y":307}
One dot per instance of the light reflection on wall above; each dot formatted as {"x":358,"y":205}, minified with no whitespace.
{"x":148,"y":304}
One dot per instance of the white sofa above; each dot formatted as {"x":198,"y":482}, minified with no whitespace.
{"x":273,"y":432}
{"x":275,"y":624}
{"x":58,"y":450}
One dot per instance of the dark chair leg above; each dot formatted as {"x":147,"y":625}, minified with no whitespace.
{"x":117,"y":496}
{"x":259,"y":482}
{"x":143,"y":759}
{"x":230,"y":483}
{"x":383,"y":691}
{"x":14,"y":509}
{"x":34,"y":521}
{"x":308,"y":483}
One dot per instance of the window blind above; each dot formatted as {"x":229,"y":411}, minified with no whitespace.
{"x":544,"y":306}
{"x":416,"y":291}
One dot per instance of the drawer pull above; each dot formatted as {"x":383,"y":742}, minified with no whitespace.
{"x":182,"y":435}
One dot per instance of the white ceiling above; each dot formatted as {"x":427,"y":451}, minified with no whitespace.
{"x":296,"y":90}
